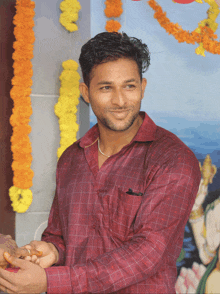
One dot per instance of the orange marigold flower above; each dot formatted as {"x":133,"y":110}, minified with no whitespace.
{"x":112,"y":26}
{"x":19,"y":92}
{"x":25,"y":181}
{"x":113,"y":8}
{"x":18,"y":80}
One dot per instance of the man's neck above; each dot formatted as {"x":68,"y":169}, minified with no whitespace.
{"x":112,"y":142}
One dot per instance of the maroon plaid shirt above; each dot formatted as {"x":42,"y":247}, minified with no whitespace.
{"x":113,"y":241}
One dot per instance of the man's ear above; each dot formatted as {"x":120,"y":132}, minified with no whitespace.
{"x":84,"y":92}
{"x":143,"y":86}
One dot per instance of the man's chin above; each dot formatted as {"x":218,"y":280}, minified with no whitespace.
{"x":119,"y":127}
{"x":118,"y":122}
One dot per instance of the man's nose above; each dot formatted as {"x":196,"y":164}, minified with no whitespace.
{"x":118,"y":98}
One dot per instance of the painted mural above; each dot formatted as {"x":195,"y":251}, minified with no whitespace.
{"x":182,"y":96}
{"x":198,"y":263}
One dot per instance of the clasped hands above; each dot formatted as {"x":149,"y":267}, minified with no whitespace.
{"x":39,"y":252}
{"x":31,"y":277}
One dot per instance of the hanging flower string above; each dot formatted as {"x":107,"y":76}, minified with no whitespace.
{"x":113,"y":9}
{"x":112,"y":26}
{"x":210,"y":22}
{"x":66,"y":108}
{"x":205,"y":36}
{"x":20,"y":194}
{"x":69,"y":15}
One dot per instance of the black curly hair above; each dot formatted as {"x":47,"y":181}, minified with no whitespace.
{"x":107,"y":46}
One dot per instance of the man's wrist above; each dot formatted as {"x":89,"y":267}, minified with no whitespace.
{"x":56,"y":252}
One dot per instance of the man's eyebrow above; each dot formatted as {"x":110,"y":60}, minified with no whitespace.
{"x":109,"y":83}
{"x":104,"y":83}
{"x":131,"y":80}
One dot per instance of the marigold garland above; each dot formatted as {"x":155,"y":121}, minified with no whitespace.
{"x":112,"y":26}
{"x":113,"y":9}
{"x":20,"y":194}
{"x":210,"y":22}
{"x":206,"y":35}
{"x":69,"y":15}
{"x":66,"y":108}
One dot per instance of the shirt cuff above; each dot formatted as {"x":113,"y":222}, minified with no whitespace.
{"x":65,"y":279}
{"x":58,"y":280}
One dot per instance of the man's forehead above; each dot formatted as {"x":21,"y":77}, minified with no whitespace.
{"x":106,"y":76}
{"x":109,"y":82}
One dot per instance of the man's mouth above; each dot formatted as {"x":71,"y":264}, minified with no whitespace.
{"x":119,"y":113}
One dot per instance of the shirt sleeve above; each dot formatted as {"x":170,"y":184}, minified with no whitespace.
{"x":165,"y":208}
{"x":53,"y":233}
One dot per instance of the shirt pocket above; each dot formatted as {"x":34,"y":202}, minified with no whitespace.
{"x":124,"y":209}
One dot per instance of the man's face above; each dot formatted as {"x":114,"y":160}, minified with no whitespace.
{"x":115,"y":93}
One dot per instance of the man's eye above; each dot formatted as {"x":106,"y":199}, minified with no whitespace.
{"x":130,"y":86}
{"x":105,"y":88}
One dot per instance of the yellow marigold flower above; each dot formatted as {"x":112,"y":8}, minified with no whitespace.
{"x":69,"y":15}
{"x":66,"y":108}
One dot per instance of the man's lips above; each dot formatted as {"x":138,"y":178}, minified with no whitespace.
{"x":119,"y":113}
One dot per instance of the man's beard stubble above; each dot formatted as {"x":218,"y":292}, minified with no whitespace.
{"x":111,"y":126}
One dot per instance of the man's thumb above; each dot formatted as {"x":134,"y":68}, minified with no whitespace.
{"x":13,"y":260}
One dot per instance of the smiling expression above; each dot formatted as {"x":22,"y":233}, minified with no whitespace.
{"x":115,"y":93}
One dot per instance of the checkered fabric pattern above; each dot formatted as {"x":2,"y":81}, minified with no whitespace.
{"x":110,"y":241}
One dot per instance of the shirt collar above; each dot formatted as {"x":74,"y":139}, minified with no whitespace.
{"x":145,"y":133}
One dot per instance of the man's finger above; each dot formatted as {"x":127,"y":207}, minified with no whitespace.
{"x":3,"y":265}
{"x":6,"y":278}
{"x":36,"y":252}
{"x":5,"y":289}
{"x":34,"y":243}
{"x":15,"y":261}
{"x":28,"y":258}
{"x":33,"y":258}
{"x":38,"y":261}
{"x":23,"y":252}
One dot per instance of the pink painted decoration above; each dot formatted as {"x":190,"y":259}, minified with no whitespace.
{"x":183,"y":1}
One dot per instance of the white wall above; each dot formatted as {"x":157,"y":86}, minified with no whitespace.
{"x":53,"y":45}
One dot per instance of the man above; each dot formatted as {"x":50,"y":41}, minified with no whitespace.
{"x":124,"y":191}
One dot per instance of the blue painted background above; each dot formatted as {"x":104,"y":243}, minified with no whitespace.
{"x":183,"y":90}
